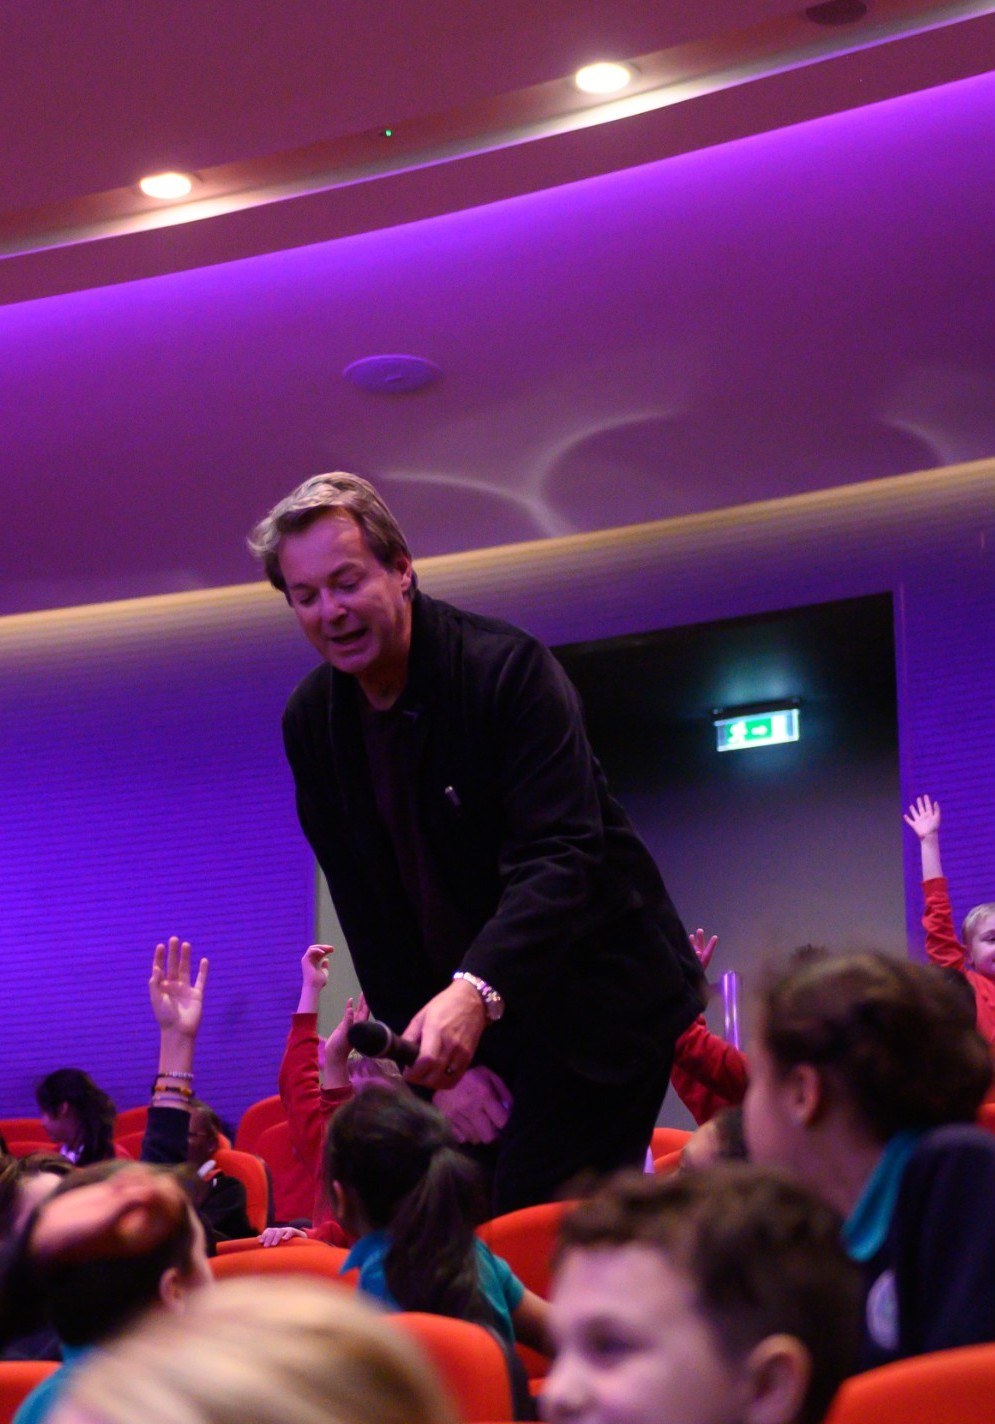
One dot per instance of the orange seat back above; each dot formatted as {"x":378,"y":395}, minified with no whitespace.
{"x":667,"y":1139}
{"x":131,"y":1120}
{"x":28,"y":1129}
{"x":986,"y":1116}
{"x":948,"y":1387}
{"x":293,"y":1182}
{"x":251,"y":1172}
{"x":526,"y":1239}
{"x":667,"y":1164}
{"x":256,"y":1119}
{"x":18,"y":1147}
{"x":308,"y":1258}
{"x":17,"y":1379}
{"x":467,"y":1358}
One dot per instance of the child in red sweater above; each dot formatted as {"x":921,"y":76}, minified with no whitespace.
{"x":975,"y":956}
{"x":317,"y":1076}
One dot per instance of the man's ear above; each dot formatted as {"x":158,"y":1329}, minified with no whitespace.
{"x":806,"y":1093}
{"x":778,"y":1372}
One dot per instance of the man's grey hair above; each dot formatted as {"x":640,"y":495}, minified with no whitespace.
{"x":336,"y":493}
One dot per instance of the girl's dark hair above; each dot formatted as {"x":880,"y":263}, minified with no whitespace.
{"x":892,"y":1035}
{"x":399,"y":1157}
{"x":94,"y":1111}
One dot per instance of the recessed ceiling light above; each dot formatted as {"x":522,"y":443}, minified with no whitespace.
{"x":603,"y":78}
{"x":166,"y":186}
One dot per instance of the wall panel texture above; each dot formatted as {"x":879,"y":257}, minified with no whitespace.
{"x":145,"y":791}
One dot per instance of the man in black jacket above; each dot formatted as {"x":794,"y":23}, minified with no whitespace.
{"x":499,"y":907}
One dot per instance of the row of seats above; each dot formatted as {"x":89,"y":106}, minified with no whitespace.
{"x":948,"y":1387}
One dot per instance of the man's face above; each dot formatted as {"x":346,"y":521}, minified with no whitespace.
{"x":352,"y":608}
{"x":631,"y":1346}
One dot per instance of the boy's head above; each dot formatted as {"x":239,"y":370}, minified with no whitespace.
{"x":979,"y":939}
{"x":203,"y":1134}
{"x":720,"y":1297}
{"x":97,"y":1291}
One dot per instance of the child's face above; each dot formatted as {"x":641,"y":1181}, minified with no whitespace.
{"x":981,"y":946}
{"x":632,"y":1346}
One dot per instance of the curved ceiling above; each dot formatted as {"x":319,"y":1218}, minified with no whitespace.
{"x":781,"y":283}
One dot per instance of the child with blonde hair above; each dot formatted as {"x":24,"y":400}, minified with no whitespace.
{"x":973,"y":955}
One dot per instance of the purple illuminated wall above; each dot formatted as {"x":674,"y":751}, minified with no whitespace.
{"x":145,"y":789}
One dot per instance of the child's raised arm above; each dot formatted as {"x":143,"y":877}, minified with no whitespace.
{"x":923,"y":817}
{"x":178,"y":1005}
{"x":314,"y":976}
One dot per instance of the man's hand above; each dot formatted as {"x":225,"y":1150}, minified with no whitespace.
{"x":336,"y":1048}
{"x":477,"y":1107}
{"x":176,"y":1002}
{"x":704,"y":950}
{"x":448,"y":1030}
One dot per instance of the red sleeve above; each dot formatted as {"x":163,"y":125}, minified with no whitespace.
{"x":331,"y":1233}
{"x":942,"y":944}
{"x":708,"y":1073}
{"x":300,"y":1092}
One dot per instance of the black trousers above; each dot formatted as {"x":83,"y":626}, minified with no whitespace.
{"x":566,"y":1130}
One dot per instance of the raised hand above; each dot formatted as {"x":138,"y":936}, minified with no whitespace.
{"x":704,"y":950}
{"x":336,"y":1047}
{"x":923,"y":817}
{"x":314,"y":976}
{"x":314,"y":965}
{"x":177,"y":1002}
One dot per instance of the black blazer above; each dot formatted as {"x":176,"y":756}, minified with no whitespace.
{"x":566,"y":913}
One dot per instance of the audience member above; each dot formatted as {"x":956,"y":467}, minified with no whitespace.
{"x":145,"y":1249}
{"x":721,"y":1297}
{"x":265,"y":1351}
{"x":219,"y":1197}
{"x":317,"y":1076}
{"x":720,"y":1139}
{"x":77,"y":1115}
{"x":709,"y":1073}
{"x":975,"y":957}
{"x":866,"y":1073}
{"x":399,"y":1181}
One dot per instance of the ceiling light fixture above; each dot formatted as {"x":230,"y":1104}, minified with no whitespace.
{"x":166,"y":186}
{"x":603,"y":78}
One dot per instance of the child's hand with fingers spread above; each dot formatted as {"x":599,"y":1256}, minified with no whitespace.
{"x":176,"y":1001}
{"x":923,"y":817}
{"x":336,"y":1048}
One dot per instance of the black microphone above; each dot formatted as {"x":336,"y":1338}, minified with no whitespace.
{"x":375,"y":1040}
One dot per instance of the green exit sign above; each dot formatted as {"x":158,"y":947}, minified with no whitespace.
{"x":758,"y":729}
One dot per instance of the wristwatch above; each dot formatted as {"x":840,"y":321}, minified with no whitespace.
{"x":492,"y":1000}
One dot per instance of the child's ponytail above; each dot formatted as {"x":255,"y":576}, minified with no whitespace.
{"x":398,"y":1156}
